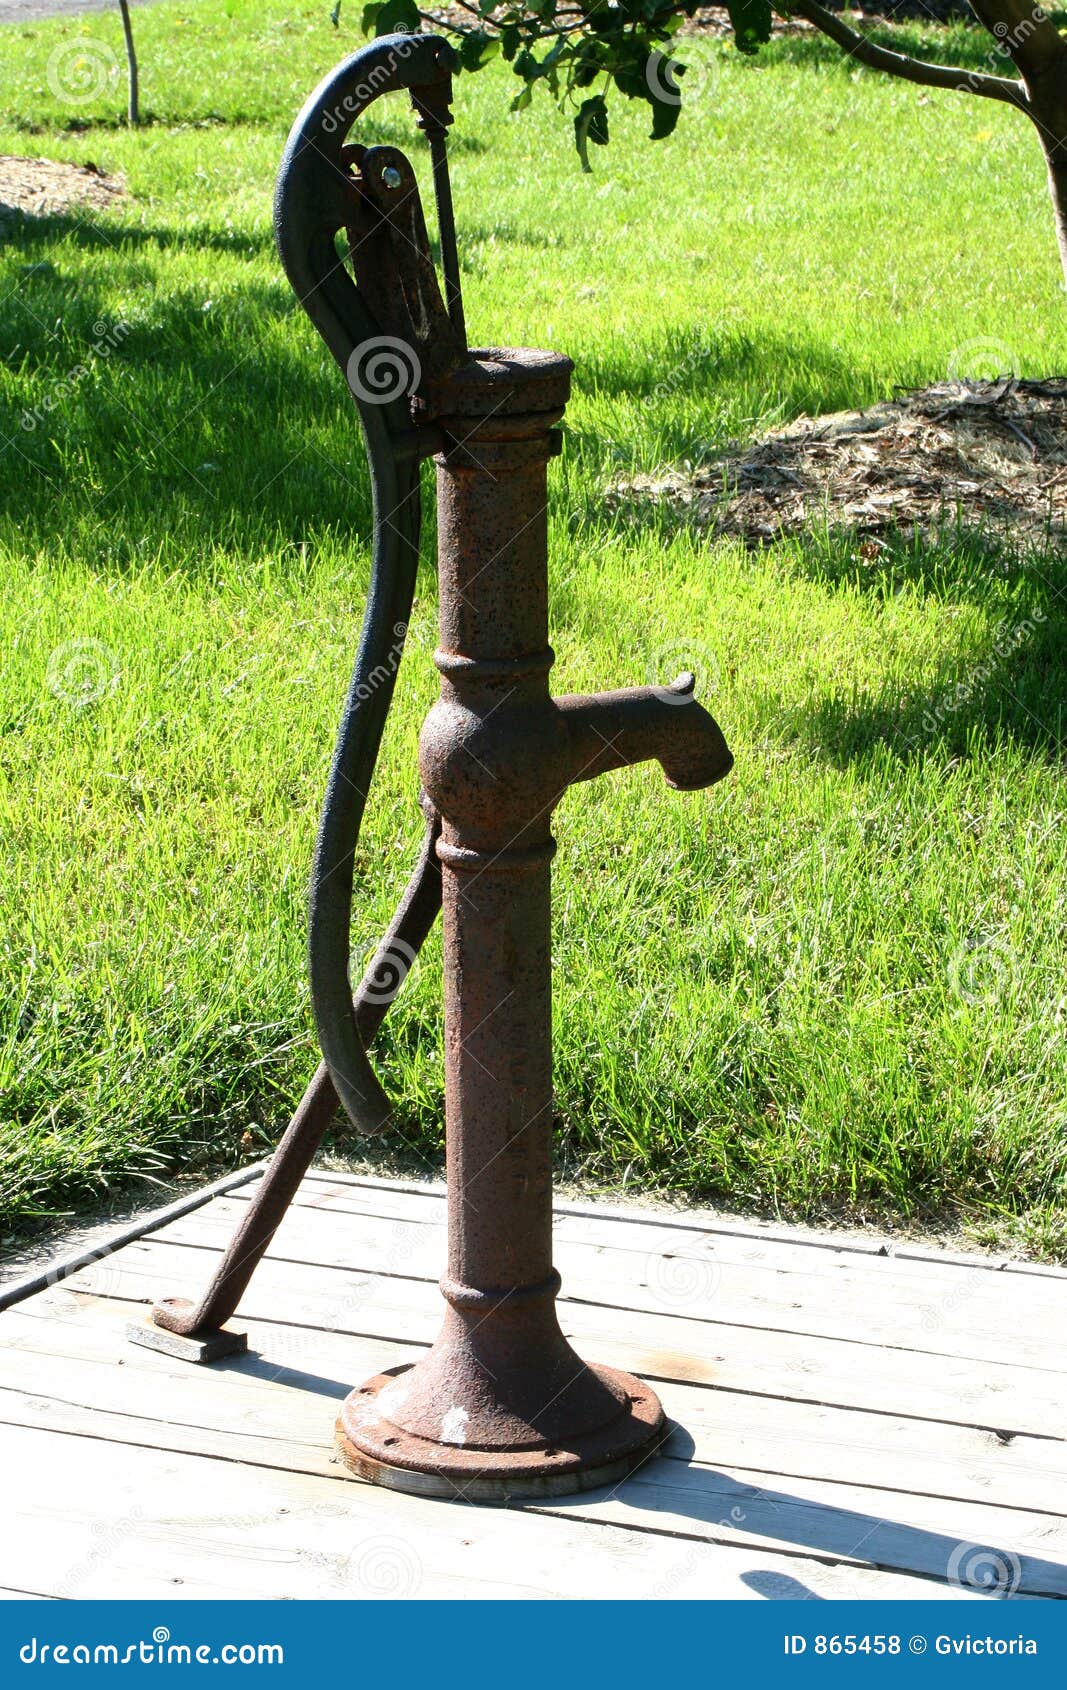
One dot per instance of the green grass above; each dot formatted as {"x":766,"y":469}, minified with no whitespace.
{"x":833,"y":984}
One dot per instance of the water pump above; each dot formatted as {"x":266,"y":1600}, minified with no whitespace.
{"x":501,"y":1406}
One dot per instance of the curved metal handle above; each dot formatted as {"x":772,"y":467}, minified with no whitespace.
{"x":326,"y":186}
{"x":317,"y":196}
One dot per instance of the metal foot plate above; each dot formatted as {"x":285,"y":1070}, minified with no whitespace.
{"x":226,"y":1341}
{"x":374,"y":1449}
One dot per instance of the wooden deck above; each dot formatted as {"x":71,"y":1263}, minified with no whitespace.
{"x":850,"y":1423}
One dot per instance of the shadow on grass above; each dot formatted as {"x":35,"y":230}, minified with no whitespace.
{"x":109,"y":123}
{"x":207,"y":418}
{"x":701,"y":390}
{"x":33,"y":235}
{"x":203,"y":418}
{"x":1011,"y":683}
{"x":207,"y":425}
{"x":201,"y":398}
{"x":964,"y":46}
{"x":376,"y":129}
{"x":790,"y":372}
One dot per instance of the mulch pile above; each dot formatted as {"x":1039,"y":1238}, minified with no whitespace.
{"x":993,"y":454}
{"x":41,"y":187}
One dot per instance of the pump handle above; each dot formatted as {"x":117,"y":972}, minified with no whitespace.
{"x":387,"y":327}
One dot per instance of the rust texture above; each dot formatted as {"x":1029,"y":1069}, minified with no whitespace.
{"x":502,"y":1405}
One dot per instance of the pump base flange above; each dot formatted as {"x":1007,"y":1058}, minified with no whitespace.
{"x":376,"y":1450}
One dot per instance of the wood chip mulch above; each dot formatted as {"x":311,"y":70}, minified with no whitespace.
{"x":42,"y":187}
{"x":992,"y":454}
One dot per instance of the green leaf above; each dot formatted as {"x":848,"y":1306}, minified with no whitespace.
{"x":522,"y":99}
{"x":366,"y":22}
{"x":630,"y":74}
{"x":395,"y":15}
{"x":591,"y":125}
{"x":665,"y":117}
{"x":751,"y":20}
{"x":509,"y":41}
{"x":477,"y":48}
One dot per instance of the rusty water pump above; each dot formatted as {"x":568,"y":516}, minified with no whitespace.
{"x":501,"y":1405}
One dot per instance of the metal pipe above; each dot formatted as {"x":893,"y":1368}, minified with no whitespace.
{"x":503,"y":1406}
{"x":446,"y":226}
{"x":617,"y":729}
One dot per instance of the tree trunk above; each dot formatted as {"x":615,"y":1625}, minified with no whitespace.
{"x":133,"y":109}
{"x":1026,"y":33}
{"x":1048,"y":110}
{"x":1057,"y":181}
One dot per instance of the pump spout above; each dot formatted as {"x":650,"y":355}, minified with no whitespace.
{"x":612,"y":730}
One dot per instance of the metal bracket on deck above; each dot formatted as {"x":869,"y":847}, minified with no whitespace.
{"x":224,"y":1341}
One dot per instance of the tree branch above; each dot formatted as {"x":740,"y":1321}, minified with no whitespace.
{"x":452,"y":27}
{"x":473,"y":10}
{"x":901,"y":64}
{"x":1022,"y":29}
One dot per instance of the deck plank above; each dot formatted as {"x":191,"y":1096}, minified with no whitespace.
{"x":847,"y":1423}
{"x":762,"y":1434}
{"x":898,"y":1531}
{"x":677,"y":1276}
{"x":1000,"y":1396}
{"x":190,"y":1526}
{"x":599,"y":1219}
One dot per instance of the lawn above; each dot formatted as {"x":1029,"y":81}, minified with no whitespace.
{"x":833,"y":984}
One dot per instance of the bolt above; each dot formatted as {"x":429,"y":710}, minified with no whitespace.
{"x":391,"y":176}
